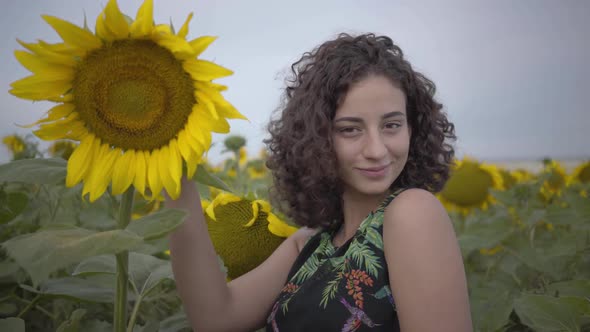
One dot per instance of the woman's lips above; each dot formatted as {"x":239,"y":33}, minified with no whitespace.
{"x":374,"y":172}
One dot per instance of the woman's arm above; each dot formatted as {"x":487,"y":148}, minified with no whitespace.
{"x":210,"y":303}
{"x":426,"y":271}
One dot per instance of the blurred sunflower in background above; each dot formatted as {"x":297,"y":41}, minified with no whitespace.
{"x":555,"y":179}
{"x":469,"y":186}
{"x":581,"y":173}
{"x":14,"y":143}
{"x":244,"y":232}
{"x":134,"y":94}
{"x":62,"y":149}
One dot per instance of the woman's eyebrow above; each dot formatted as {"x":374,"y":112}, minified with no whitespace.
{"x":355,"y":119}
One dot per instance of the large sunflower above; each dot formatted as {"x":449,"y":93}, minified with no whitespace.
{"x":133,"y":94}
{"x":469,"y":186}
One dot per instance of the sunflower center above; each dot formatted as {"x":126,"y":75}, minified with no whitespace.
{"x":468,"y":186}
{"x":133,"y":94}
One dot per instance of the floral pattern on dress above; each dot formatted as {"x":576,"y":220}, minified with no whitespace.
{"x":339,"y":289}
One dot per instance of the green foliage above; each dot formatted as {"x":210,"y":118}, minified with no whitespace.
{"x":527,"y":260}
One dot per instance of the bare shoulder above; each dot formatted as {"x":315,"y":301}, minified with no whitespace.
{"x":426,"y":271}
{"x":302,"y":235}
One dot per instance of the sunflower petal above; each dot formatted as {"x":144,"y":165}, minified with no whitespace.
{"x":153,"y":175}
{"x":278,"y":227}
{"x":39,"y":66}
{"x":164,"y":171}
{"x":175,"y":44}
{"x":203,"y":70}
{"x":200,"y":44}
{"x":144,"y":20}
{"x":255,"y":208}
{"x":115,"y":20}
{"x":49,"y":55}
{"x":175,"y":162}
{"x":140,"y":168}
{"x":54,"y":114}
{"x":102,"y":172}
{"x":208,"y":104}
{"x":123,"y":172}
{"x":184,"y":28}
{"x":79,"y":161}
{"x":72,"y":34}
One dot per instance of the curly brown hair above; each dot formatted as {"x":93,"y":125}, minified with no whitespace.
{"x":307,"y":186}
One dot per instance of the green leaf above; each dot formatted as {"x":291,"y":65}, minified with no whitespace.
{"x":51,"y":249}
{"x":11,"y":205}
{"x":491,"y":308}
{"x":96,"y":326}
{"x":72,"y":324}
{"x":12,"y":324}
{"x":151,"y":326}
{"x":145,"y":271}
{"x":579,"y":288}
{"x":97,"y":289}
{"x":157,"y":224}
{"x":547,"y":313}
{"x":483,"y":235}
{"x":202,"y":176}
{"x":175,"y":323}
{"x":34,"y":171}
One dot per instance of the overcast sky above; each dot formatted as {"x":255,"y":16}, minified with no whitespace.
{"x":513,"y":75}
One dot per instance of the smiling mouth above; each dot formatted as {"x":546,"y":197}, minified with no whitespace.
{"x":374,"y":169}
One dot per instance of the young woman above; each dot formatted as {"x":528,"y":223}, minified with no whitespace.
{"x":357,"y":149}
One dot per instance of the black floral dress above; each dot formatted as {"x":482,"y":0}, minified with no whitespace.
{"x":339,"y":289}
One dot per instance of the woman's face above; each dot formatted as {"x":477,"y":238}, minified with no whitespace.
{"x":371,"y":136}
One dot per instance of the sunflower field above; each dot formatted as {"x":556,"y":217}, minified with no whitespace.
{"x":83,"y":226}
{"x":525,"y":239}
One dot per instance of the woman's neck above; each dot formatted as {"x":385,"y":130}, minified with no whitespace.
{"x":355,"y":208}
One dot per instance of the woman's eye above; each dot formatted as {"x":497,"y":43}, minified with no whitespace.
{"x":392,"y":125}
{"x":348,"y":130}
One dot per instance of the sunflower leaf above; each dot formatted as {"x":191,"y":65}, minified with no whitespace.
{"x":50,"y":249}
{"x":34,"y":171}
{"x":95,"y":289}
{"x":12,"y":324}
{"x":547,"y":313}
{"x":202,"y":176}
{"x":157,"y":224}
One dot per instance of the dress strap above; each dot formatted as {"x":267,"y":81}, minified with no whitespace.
{"x":388,"y":199}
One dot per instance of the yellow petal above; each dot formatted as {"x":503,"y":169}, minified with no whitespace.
{"x":54,"y":114}
{"x":173,"y":43}
{"x":223,"y":107}
{"x":210,"y":211}
{"x":123,"y":172}
{"x":56,"y":130}
{"x":279,"y":227}
{"x":254,"y":215}
{"x":200,"y":44}
{"x":183,"y":145}
{"x":49,"y":55}
{"x":184,"y":29}
{"x":207,"y":103}
{"x":203,"y":70}
{"x":164,"y":171}
{"x":144,"y":20}
{"x":140,"y":171}
{"x":102,"y":172}
{"x":153,"y":175}
{"x":115,"y":21}
{"x":264,"y":205}
{"x":175,"y":162}
{"x":72,"y":34}
{"x":79,"y":161}
{"x":40,"y":66}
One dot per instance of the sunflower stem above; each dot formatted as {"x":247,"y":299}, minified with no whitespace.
{"x":120,"y":308}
